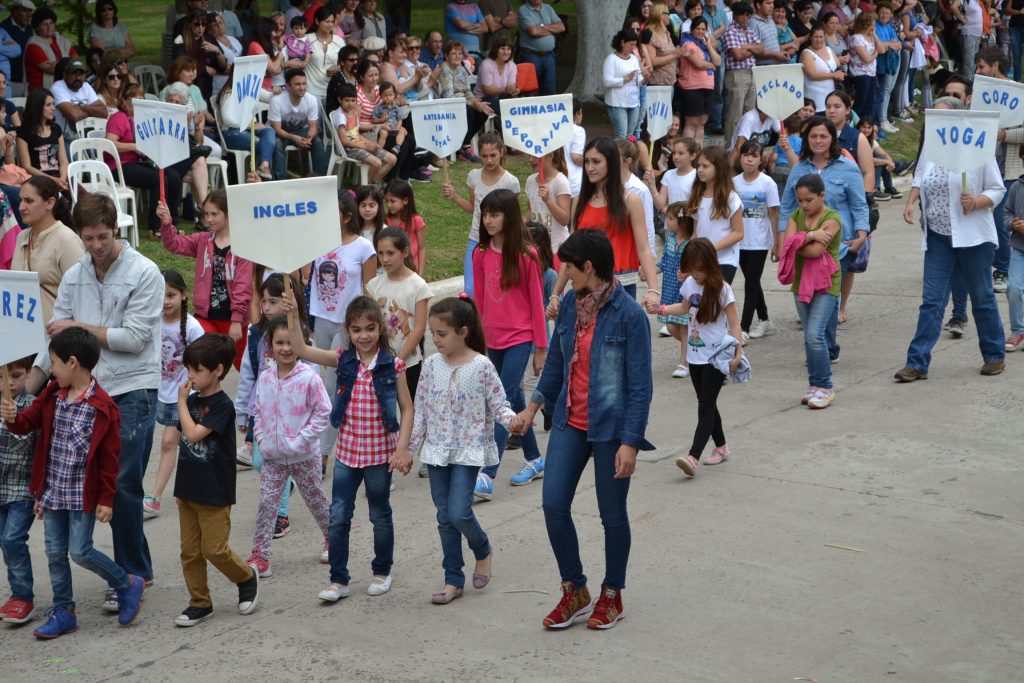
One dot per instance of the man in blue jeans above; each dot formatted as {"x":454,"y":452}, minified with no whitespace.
{"x":117,"y":294}
{"x":538,"y":26}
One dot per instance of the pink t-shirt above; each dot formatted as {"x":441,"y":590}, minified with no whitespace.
{"x":416,"y":227}
{"x":490,"y":76}
{"x":690,"y":77}
{"x":121,"y":125}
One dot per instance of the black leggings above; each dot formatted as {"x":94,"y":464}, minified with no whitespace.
{"x":752,"y":265}
{"x":728,"y":273}
{"x":707,"y":382}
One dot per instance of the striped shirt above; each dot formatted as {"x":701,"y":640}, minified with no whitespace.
{"x":16,"y":458}
{"x":69,"y":449}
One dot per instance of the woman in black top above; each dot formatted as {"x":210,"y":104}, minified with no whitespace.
{"x":40,"y":143}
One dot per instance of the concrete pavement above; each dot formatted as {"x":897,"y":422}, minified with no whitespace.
{"x":732,"y":577}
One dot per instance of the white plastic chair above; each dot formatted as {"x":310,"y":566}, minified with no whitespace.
{"x":150,"y":77}
{"x":338,"y":155}
{"x":238,"y":155}
{"x":90,"y":123}
{"x":92,"y":149}
{"x":102,"y":181}
{"x":18,"y":102}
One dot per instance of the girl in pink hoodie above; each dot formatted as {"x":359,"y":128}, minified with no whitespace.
{"x":292,"y":409}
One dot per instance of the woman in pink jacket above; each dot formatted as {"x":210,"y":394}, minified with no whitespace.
{"x":223,"y":287}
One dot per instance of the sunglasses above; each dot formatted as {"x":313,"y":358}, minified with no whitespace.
{"x":114,"y":77}
{"x":958,"y":96}
{"x":412,"y":47}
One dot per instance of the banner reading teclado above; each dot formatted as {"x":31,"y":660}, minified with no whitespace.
{"x":440,"y":126}
{"x":659,"y":110}
{"x":537,"y":125}
{"x":161,"y":131}
{"x":246,"y":81}
{"x":21,"y":316}
{"x":1003,"y":96}
{"x":779,"y":89}
{"x":960,"y":140}
{"x":285,"y":224}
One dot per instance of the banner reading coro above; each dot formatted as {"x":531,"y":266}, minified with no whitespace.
{"x":285,"y":224}
{"x":659,"y":110}
{"x":779,"y":89}
{"x":21,"y":316}
{"x":247,"y":79}
{"x":1003,"y":96}
{"x":161,"y":131}
{"x":537,"y":125}
{"x":960,"y":140}
{"x":439,"y":125}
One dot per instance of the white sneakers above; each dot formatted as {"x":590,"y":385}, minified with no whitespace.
{"x":761,"y":328}
{"x":889,"y":128}
{"x":379,"y":585}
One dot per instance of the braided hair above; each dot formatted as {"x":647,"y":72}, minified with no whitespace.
{"x":174,"y":280}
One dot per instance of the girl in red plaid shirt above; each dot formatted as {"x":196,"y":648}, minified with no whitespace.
{"x":371,"y":390}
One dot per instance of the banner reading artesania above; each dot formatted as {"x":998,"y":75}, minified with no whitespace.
{"x":1003,"y":96}
{"x":960,"y":140}
{"x":247,"y":79}
{"x":537,"y":125}
{"x":285,"y":224}
{"x":161,"y":131}
{"x":779,"y":89}
{"x":440,"y":126}
{"x":21,"y":316}
{"x":659,"y":110}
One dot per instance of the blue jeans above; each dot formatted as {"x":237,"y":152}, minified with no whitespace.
{"x":640,"y":113}
{"x":138,"y":419}
{"x":959,"y":290}
{"x":969,"y":46}
{"x":975,"y":263}
{"x":545,"y":66}
{"x":467,"y":267}
{"x":15,"y":520}
{"x":318,"y":153}
{"x":266,"y":141}
{"x":624,"y":120}
{"x":71,"y":531}
{"x":377,"y":482}
{"x":864,"y":102}
{"x":814,"y":317}
{"x":286,"y":494}
{"x":451,"y":489}
{"x":886,"y":82}
{"x":1001,"y":259}
{"x":568,"y":453}
{"x":1015,"y":291}
{"x":511,"y":366}
{"x":717,"y":117}
{"x":833,"y":322}
{"x":1016,"y":43}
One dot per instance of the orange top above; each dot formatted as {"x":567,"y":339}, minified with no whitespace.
{"x":623,"y":242}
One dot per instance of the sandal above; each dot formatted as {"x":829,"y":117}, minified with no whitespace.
{"x":446,"y":596}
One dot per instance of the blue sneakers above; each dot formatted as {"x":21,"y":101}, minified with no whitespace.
{"x":129,"y":600}
{"x":484,"y":489}
{"x":531,"y":469}
{"x":59,"y":621}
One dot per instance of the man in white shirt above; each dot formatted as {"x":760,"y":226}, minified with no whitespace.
{"x":574,"y":150}
{"x":75,"y":99}
{"x":294,"y":115}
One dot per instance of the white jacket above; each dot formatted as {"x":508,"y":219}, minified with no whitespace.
{"x":618,"y":93}
{"x":976,"y":227}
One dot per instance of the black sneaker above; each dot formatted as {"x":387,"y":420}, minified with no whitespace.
{"x":419,"y":177}
{"x":549,"y":420}
{"x":281,"y":527}
{"x":894,"y":193}
{"x":514,"y":443}
{"x":193,"y":615}
{"x":248,"y":592}
{"x":880,"y":196}
{"x":956,"y":327}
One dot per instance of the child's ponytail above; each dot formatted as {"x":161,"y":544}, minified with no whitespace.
{"x":459,"y":312}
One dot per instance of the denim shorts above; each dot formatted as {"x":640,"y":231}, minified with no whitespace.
{"x":167,"y":414}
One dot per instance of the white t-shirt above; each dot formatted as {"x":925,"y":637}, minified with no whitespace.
{"x":557,"y":186}
{"x":337,"y":279}
{"x":679,"y":186}
{"x":62,"y":94}
{"x":398,"y":300}
{"x":753,"y":128}
{"x":716,"y":229}
{"x":172,"y":348}
{"x":292,"y":117}
{"x":634,"y":184}
{"x":704,"y":339}
{"x":757,"y":196}
{"x":578,"y":144}
{"x":474,"y":181}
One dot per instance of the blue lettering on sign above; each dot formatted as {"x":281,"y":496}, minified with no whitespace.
{"x":157,"y":126}
{"x":1000,"y":98}
{"x":535,"y":147}
{"x":658,"y":110}
{"x":781,"y":85}
{"x":24,"y":307}
{"x":248,"y":87}
{"x":283,"y":210}
{"x":961,"y":136}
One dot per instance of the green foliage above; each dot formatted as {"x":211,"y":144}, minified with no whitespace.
{"x":75,"y":17}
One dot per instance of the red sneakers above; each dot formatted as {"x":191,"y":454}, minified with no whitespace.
{"x":607,"y":611}
{"x":575,"y":603}
{"x":261,"y":565}
{"x":16,"y":611}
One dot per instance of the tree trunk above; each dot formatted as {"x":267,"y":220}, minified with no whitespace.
{"x":597,"y":21}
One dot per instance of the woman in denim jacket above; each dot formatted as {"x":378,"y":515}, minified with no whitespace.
{"x":598,"y":373}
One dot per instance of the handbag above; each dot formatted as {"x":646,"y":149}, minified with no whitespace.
{"x":860,"y":263}
{"x":13,"y":175}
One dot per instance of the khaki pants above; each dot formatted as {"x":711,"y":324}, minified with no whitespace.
{"x":740,"y":85}
{"x":205,"y":530}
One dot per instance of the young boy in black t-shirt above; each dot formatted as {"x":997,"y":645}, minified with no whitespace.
{"x":205,"y":480}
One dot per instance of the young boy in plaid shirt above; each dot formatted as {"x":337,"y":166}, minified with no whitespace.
{"x":74,"y":476}
{"x":16,"y":514}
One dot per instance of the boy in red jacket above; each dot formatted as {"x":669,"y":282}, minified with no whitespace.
{"x":74,"y":475}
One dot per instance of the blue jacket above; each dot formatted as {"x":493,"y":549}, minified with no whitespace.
{"x":621,"y":385}
{"x":9,"y":50}
{"x":844,"y":192}
{"x":385,"y":386}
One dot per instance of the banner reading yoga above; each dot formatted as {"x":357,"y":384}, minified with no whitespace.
{"x":960,"y":140}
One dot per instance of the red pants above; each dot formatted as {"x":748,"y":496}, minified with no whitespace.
{"x":221,"y":327}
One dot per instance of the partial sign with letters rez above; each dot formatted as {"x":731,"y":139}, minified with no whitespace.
{"x":21,"y":316}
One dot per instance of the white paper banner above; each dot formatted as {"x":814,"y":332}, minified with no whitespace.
{"x":659,"y":111}
{"x":247,"y":79}
{"x":21,"y":316}
{"x":440,"y":126}
{"x":780,"y":89}
{"x":960,"y":140}
{"x":285,"y":224}
{"x":161,"y":131}
{"x":1003,"y":96}
{"x":537,"y":125}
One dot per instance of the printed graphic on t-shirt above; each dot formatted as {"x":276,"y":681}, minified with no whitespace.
{"x":47,"y":158}
{"x":330,"y":280}
{"x":219,"y":283}
{"x":755,"y":204}
{"x":171,"y":350}
{"x":763,"y":138}
{"x":694,"y":339}
{"x":205,"y":450}
{"x":395,"y":319}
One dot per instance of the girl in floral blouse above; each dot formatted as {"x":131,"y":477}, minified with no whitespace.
{"x":459,"y":399}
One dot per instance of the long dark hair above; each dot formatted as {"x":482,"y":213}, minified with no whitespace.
{"x":721,"y":186}
{"x":174,"y":280}
{"x":834,"y":151}
{"x":700,"y":255}
{"x":365,"y":306}
{"x":371,"y":192}
{"x":402,"y":189}
{"x":99,"y":11}
{"x":265,"y":26}
{"x":614,"y":192}
{"x":399,"y":238}
{"x":515,"y":241}
{"x":459,"y":312}
{"x":32,"y":118}
{"x":47,"y":189}
{"x":541,"y":239}
{"x":347,"y":207}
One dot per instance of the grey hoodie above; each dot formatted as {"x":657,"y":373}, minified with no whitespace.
{"x":1014,"y":208}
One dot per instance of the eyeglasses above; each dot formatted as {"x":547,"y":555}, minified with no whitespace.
{"x":352,"y":60}
{"x":412,"y":47}
{"x":121,"y":62}
{"x":114,"y":77}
